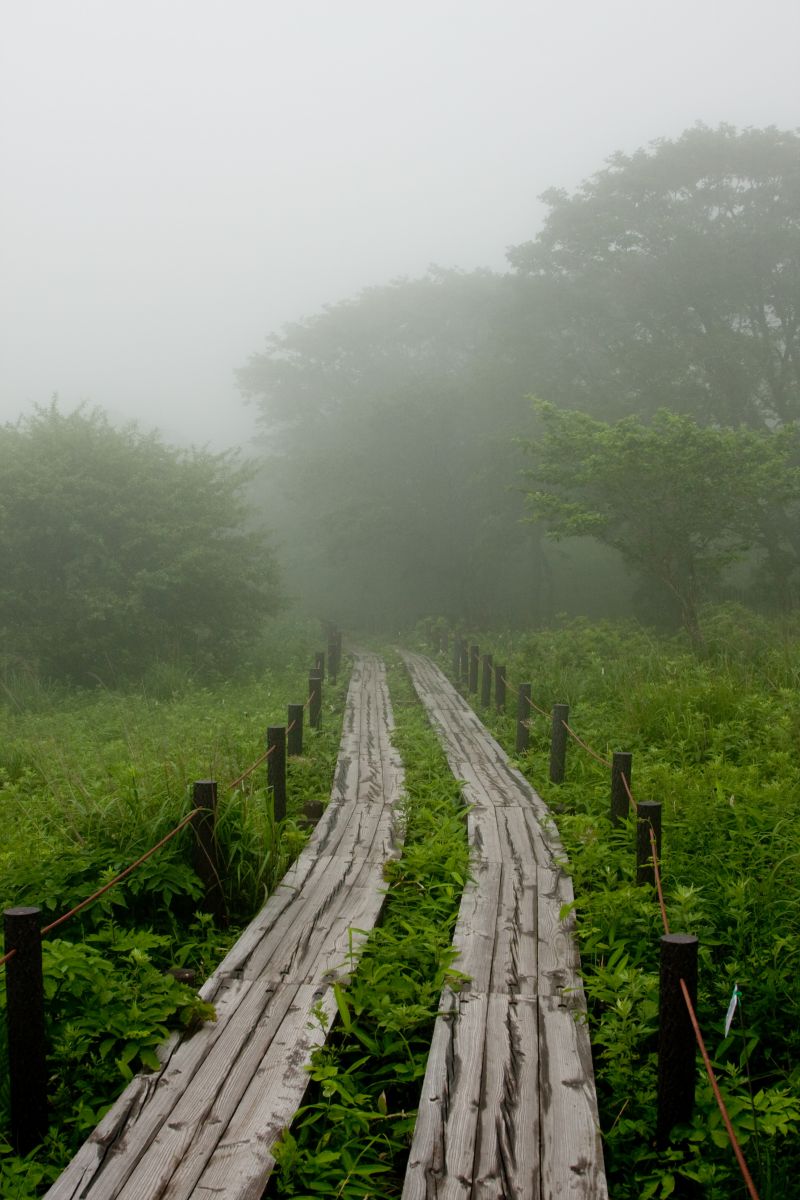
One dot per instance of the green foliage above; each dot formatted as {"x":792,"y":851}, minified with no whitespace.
{"x":677,"y":500}
{"x":89,"y":781}
{"x":714,"y":739}
{"x":121,"y":552}
{"x":351,"y":1138}
{"x":670,"y":280}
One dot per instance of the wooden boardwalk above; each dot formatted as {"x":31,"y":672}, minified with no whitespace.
{"x":204,"y":1125}
{"x":508,"y":1108}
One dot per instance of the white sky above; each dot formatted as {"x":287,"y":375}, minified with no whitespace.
{"x":181,"y":177}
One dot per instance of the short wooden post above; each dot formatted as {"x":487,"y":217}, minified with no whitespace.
{"x":464,"y":664}
{"x":456,"y":665}
{"x":676,"y":1042}
{"x":523,"y":717}
{"x":486,"y":680}
{"x":315,"y":699}
{"x":648,"y":815}
{"x":500,"y":688}
{"x":332,"y":667}
{"x":204,"y":856}
{"x":27,"y":1064}
{"x":319,"y":662}
{"x":474,"y":658}
{"x":621,"y":765}
{"x":294,"y":730}
{"x":558,"y":743}
{"x":276,"y":769}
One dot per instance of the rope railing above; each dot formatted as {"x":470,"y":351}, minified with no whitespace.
{"x":123,"y":874}
{"x":28,"y":1054}
{"x":249,"y":771}
{"x":734,"y":1142}
{"x":153,"y":849}
{"x":712,"y":1079}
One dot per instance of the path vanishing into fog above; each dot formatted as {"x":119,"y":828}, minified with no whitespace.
{"x":205,"y":1124}
{"x":508,"y":1105}
{"x":508,"y":1108}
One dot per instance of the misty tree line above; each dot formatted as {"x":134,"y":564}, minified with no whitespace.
{"x":657,"y":314}
{"x":405,"y":469}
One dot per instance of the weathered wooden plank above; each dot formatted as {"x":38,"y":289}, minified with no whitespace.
{"x":477,"y":1133}
{"x":490,"y":1120}
{"x":573,"y":1164}
{"x":240,"y":1162}
{"x":559,"y":961}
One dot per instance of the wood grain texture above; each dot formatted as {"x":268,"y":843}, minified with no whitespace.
{"x":205,"y":1123}
{"x":508,"y":1109}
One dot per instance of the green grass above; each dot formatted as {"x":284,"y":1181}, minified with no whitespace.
{"x":89,"y":781}
{"x":715,"y":740}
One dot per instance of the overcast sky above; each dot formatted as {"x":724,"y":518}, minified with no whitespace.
{"x":181,"y":177}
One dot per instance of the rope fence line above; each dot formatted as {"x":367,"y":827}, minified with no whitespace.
{"x":123,"y":874}
{"x":153,"y":849}
{"x":712,"y":1079}
{"x":261,"y":759}
{"x":25,"y":938}
{"x":112,"y":882}
{"x":734,"y":1142}
{"x":599,"y":758}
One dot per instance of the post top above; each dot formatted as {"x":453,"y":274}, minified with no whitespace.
{"x":22,"y":911}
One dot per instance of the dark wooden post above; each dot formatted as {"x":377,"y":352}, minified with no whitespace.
{"x":319,"y":662}
{"x":464,"y":664}
{"x":648,"y":814}
{"x":500,"y":688}
{"x":486,"y":680}
{"x":456,"y":657}
{"x":315,"y":697}
{"x":621,"y":764}
{"x":676,"y":1042}
{"x":204,"y":856}
{"x":276,"y":769}
{"x":332,"y":672}
{"x":558,"y":743}
{"x":294,"y":730}
{"x":523,"y":717}
{"x":474,"y":657}
{"x":27,"y":1065}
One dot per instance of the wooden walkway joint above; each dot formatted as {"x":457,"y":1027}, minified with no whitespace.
{"x":508,"y":1108}
{"x":203,"y":1127}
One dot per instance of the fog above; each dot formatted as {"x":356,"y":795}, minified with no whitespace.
{"x":180,"y":179}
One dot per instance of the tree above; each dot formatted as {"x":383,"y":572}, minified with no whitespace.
{"x":118,"y":550}
{"x":672,"y":279}
{"x":678,"y":500}
{"x":387,"y":427}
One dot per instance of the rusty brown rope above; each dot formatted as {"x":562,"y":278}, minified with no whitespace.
{"x":123,"y":874}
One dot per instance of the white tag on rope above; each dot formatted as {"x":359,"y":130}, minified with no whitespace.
{"x":731,"y":1008}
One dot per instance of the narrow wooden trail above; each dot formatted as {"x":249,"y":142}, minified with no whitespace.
{"x":205,"y":1124}
{"x":508,"y":1108}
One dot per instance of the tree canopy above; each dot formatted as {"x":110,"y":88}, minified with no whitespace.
{"x":678,"y":500}
{"x":119,"y":551}
{"x":671,"y":279}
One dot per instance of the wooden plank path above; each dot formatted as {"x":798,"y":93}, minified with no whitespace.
{"x":508,"y":1108}
{"x":205,"y":1124}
